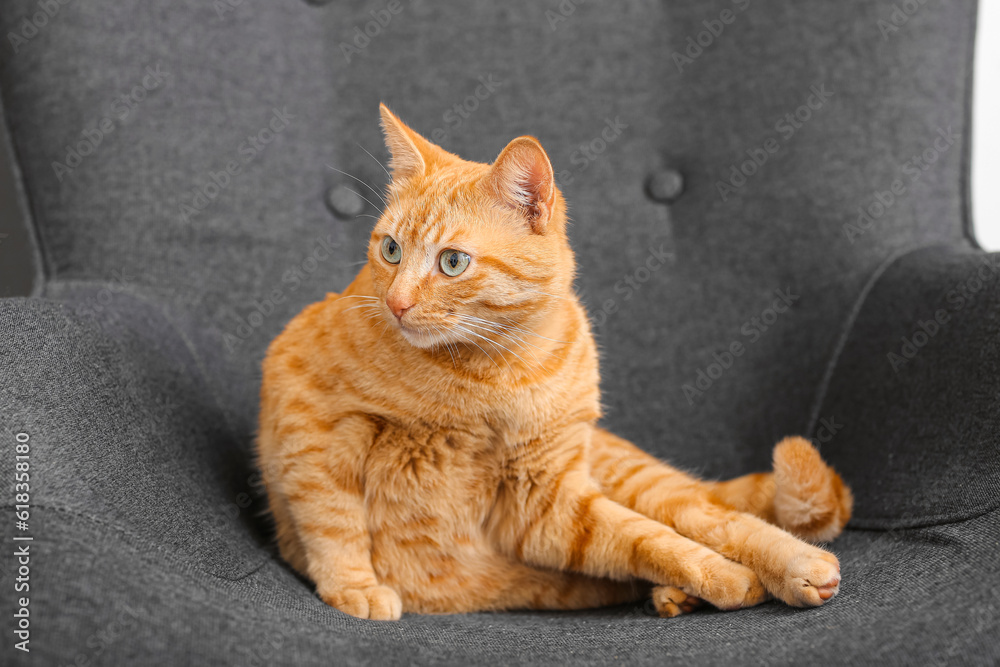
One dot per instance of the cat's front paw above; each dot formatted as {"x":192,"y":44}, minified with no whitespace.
{"x":811,"y":578}
{"x":378,"y":603}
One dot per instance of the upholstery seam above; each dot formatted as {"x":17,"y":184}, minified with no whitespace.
{"x":145,"y":542}
{"x":343,"y":622}
{"x":848,"y":327}
{"x":878,"y":523}
{"x":42,"y":269}
{"x":965,"y":177}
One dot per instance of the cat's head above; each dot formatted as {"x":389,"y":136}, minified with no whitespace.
{"x":465,"y":250}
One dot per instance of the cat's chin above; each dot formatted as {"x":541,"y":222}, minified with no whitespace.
{"x":421,"y":338}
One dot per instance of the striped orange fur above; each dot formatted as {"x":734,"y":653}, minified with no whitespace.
{"x":430,"y":444}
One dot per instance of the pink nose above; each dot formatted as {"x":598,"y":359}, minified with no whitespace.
{"x":398,"y":306}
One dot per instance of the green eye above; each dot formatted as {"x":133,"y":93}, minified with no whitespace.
{"x":453,"y":262}
{"x":391,"y":250}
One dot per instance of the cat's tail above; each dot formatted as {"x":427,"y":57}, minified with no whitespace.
{"x":803,"y":495}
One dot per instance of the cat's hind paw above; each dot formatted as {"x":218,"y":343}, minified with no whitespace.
{"x":670,"y":602}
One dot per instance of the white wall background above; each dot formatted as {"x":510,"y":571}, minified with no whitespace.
{"x":986,"y":128}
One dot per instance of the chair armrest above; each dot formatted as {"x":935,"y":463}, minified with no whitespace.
{"x":911,"y":412}
{"x":122,"y":431}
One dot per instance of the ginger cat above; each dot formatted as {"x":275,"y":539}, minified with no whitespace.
{"x":429,"y":438}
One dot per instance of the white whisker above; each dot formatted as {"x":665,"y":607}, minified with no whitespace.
{"x":469,"y":340}
{"x":506,"y":349}
{"x":495,"y":347}
{"x":441,"y":332}
{"x":516,"y":341}
{"x":362,"y":196}
{"x":361,"y":182}
{"x":529,"y":332}
{"x":382,"y":166}
{"x":374,"y":158}
{"x":366,"y":306}
{"x":506,"y":332}
{"x":451,"y":345}
{"x":509,"y":333}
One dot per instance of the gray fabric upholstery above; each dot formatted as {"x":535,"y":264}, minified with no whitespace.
{"x":136,"y":370}
{"x":915,"y":391}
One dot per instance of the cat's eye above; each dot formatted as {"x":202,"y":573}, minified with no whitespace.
{"x":391,"y":250}
{"x":453,"y":262}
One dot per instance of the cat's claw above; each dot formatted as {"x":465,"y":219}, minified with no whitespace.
{"x":670,"y":602}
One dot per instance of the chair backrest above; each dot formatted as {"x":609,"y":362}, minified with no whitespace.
{"x":736,"y":170}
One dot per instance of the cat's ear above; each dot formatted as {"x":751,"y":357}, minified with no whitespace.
{"x":522,"y":178}
{"x":406,"y":147}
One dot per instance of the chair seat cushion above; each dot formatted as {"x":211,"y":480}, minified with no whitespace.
{"x":916,"y":596}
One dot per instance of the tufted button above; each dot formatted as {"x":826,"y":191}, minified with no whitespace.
{"x":344,"y":203}
{"x":665,"y":185}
